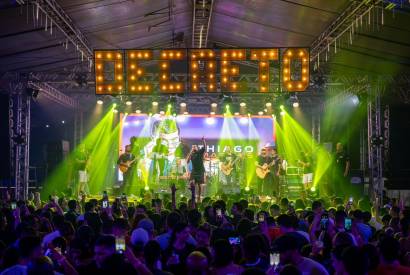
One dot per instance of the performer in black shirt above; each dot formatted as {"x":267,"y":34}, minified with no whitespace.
{"x":126,"y":163}
{"x":264,"y":180}
{"x":229,"y":166}
{"x":196,"y":156}
{"x":341,"y":166}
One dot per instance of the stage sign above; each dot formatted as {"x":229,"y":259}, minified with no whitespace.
{"x":243,"y":135}
{"x":142,"y":71}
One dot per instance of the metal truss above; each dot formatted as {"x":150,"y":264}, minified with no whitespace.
{"x":348,"y":22}
{"x":56,"y":17}
{"x":201,"y":19}
{"x":54,"y":94}
{"x":375,"y":144}
{"x":19,"y":134}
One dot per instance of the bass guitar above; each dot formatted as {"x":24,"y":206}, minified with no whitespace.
{"x":263,"y":170}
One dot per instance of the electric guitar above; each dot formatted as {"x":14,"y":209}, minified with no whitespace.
{"x":124,"y":166}
{"x":263,"y":170}
{"x":228,"y":167}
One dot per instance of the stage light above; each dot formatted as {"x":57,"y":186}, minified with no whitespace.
{"x":355,"y":100}
{"x":313,"y":189}
{"x":114,"y":105}
{"x":115,"y":111}
{"x":260,"y":113}
{"x":214,"y":105}
{"x":268,"y":104}
{"x":243,"y":120}
{"x":282,"y":113}
{"x":128,"y":103}
{"x":169,"y":106}
{"x":212,"y":113}
{"x":162,"y":113}
{"x":227,"y":107}
{"x":154,"y":103}
{"x":295,"y":104}
{"x":242,"y":104}
{"x":100,"y":102}
{"x":210,"y":121}
{"x":47,"y":126}
{"x":183,"y":104}
{"x":282,"y":107}
{"x":146,"y":188}
{"x":247,"y":189}
{"x":63,"y":122}
{"x":186,"y":113}
{"x":236,"y":114}
{"x":138,"y":111}
{"x":249,"y":114}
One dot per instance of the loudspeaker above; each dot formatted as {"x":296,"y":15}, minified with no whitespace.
{"x":56,"y":152}
{"x":399,"y":158}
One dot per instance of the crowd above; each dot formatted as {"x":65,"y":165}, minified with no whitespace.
{"x":226,"y":235}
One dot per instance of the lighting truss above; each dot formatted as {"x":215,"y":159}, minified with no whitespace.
{"x":56,"y":17}
{"x":201,"y":20}
{"x":54,"y":94}
{"x":348,"y":22}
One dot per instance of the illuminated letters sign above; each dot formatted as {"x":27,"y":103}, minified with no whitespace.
{"x":142,"y":71}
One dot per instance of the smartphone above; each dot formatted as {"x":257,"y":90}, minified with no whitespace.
{"x":218,"y":213}
{"x":234,"y":240}
{"x":120,"y":244}
{"x":348,"y":224}
{"x":104,"y":204}
{"x":261,"y":218}
{"x":13,"y":205}
{"x":324,"y":222}
{"x":274,"y":259}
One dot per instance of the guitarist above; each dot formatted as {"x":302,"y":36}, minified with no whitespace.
{"x":270,"y":183}
{"x":228,"y":160}
{"x":125,"y":158}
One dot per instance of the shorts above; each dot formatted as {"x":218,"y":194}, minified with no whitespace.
{"x":82,"y":176}
{"x":198,"y":178}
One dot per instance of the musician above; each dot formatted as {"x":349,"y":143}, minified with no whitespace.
{"x":160,"y":157}
{"x":81,"y":166}
{"x":275,"y":170}
{"x":269,"y":185}
{"x":125,"y":158}
{"x":306,"y":162}
{"x":341,"y":167}
{"x":196,"y":156}
{"x":229,"y":159}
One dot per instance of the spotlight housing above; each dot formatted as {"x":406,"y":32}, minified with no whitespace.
{"x":214,"y":105}
{"x":100,"y":102}
{"x":128,"y":103}
{"x":183,"y":104}
{"x":295,"y":104}
{"x":268,"y":104}
{"x":155,"y":103}
{"x":242,"y":104}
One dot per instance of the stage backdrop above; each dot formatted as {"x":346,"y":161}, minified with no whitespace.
{"x":242,"y":134}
